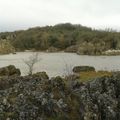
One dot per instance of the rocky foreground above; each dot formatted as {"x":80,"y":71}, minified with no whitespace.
{"x":37,"y":97}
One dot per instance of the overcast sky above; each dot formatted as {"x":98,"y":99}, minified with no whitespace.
{"x":22,"y":14}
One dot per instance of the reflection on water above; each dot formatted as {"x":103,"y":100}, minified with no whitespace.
{"x":58,"y":63}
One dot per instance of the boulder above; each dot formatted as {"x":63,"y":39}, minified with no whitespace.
{"x":41,"y":75}
{"x":78,"y":69}
{"x":9,"y":71}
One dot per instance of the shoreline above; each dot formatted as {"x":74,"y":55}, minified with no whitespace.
{"x":28,"y":51}
{"x":110,"y":54}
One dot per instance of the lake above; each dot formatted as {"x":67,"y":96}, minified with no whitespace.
{"x":60,"y":63}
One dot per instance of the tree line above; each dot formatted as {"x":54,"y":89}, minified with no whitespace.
{"x":62,"y":36}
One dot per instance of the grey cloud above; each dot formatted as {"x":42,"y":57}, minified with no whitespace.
{"x":21,"y":14}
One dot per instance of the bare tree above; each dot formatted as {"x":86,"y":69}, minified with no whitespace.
{"x":67,"y":68}
{"x":32,"y":60}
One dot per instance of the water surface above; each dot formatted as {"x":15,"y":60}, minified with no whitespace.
{"x":60,"y":63}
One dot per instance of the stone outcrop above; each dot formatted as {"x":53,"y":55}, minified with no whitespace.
{"x":33,"y":98}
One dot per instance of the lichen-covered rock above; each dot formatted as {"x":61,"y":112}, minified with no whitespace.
{"x":9,"y":71}
{"x":33,"y":98}
{"x":99,"y":99}
{"x":41,"y":75}
{"x":78,"y":69}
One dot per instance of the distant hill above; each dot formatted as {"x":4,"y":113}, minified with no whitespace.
{"x":68,"y":37}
